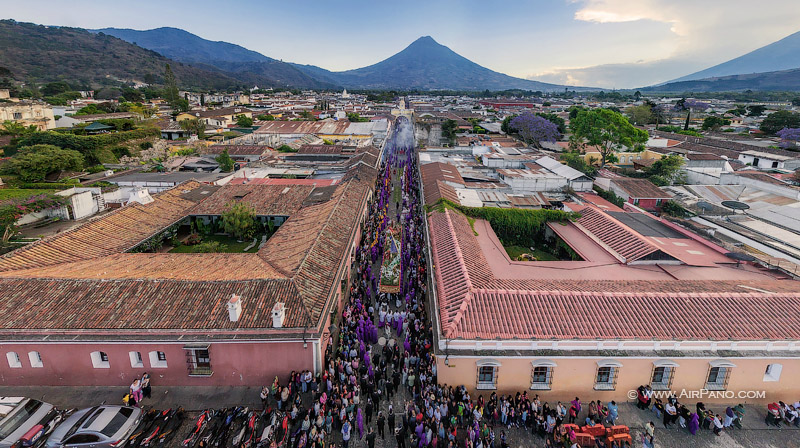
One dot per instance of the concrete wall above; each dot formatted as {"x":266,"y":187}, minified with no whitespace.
{"x":576,"y":376}
{"x":233,"y":364}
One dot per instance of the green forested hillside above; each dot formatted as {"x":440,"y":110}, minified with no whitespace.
{"x":38,"y":53}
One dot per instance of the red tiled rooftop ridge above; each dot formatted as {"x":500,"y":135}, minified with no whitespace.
{"x":476,"y":302}
{"x":614,"y":234}
{"x":300,"y":264}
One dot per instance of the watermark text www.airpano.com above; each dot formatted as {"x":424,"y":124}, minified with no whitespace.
{"x":704,"y":394}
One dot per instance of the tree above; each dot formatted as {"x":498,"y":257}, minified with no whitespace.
{"x":606,"y":129}
{"x":576,"y":160}
{"x":194,"y":125}
{"x":240,"y":220}
{"x":755,"y":110}
{"x":779,"y":120}
{"x":171,"y":93}
{"x":243,"y":121}
{"x":789,"y":137}
{"x":15,"y":129}
{"x":355,"y":118}
{"x":285,"y":148}
{"x":713,"y":123}
{"x":666,"y":170}
{"x":266,"y":117}
{"x":202,"y":99}
{"x":556,"y":120}
{"x":207,"y":247}
{"x":225,"y":162}
{"x":641,"y":115}
{"x":449,"y":129}
{"x":687,"y":105}
{"x":637,"y":96}
{"x":55,"y":88}
{"x":535,"y":129}
{"x":796,"y":101}
{"x":34,"y":163}
{"x":504,"y":126}
{"x":306,"y":115}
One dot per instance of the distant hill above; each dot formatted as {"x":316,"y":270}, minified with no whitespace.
{"x":246,"y":65}
{"x":426,"y":64}
{"x":781,"y":55}
{"x":184,"y":46}
{"x":784,"y":80}
{"x":44,"y":54}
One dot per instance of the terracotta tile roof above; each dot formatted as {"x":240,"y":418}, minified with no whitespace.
{"x":592,"y":315}
{"x":439,"y":190}
{"x":616,"y":235}
{"x":159,"y":266}
{"x":434,"y":182}
{"x":279,"y":200}
{"x":87,"y":282}
{"x":475,"y":303}
{"x":116,"y":232}
{"x":57,"y":304}
{"x":440,"y":171}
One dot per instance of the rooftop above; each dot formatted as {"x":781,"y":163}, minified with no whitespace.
{"x":483,"y":294}
{"x":83,"y":279}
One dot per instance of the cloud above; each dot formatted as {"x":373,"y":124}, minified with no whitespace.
{"x":620,"y":76}
{"x":702,"y":33}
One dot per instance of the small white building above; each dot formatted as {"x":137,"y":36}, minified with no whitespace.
{"x":766,"y":160}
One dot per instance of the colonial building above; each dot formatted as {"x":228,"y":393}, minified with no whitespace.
{"x":86,"y":307}
{"x":28,"y":113}
{"x":641,"y":301}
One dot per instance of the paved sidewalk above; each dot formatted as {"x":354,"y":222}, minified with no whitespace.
{"x":755,"y":434}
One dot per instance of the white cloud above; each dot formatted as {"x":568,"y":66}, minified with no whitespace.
{"x":702,"y":33}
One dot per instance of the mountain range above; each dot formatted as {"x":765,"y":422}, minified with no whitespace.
{"x":423,"y":65}
{"x":777,"y":56}
{"x":111,"y":55}
{"x":40,"y":53}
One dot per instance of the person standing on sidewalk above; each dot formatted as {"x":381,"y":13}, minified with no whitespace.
{"x":136,"y":391}
{"x":146,"y":390}
{"x":649,"y":437}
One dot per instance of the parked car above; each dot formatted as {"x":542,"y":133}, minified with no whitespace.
{"x":106,"y":426}
{"x":25,"y":418}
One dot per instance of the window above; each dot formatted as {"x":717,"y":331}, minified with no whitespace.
{"x":487,"y":374}
{"x":774,"y":164}
{"x":78,"y":439}
{"x":635,"y":202}
{"x":606,"y":375}
{"x":18,"y":115}
{"x":662,"y":375}
{"x":36,"y":359}
{"x":486,"y":377}
{"x":718,"y":374}
{"x":13,"y":360}
{"x":158,"y":360}
{"x":773,"y":372}
{"x":100,"y":360}
{"x":541,"y":378}
{"x":542,"y":374}
{"x":136,"y":359}
{"x":198,"y":360}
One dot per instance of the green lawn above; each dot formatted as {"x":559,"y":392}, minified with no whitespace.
{"x":16,"y":193}
{"x":234,"y":247}
{"x":515,"y":251}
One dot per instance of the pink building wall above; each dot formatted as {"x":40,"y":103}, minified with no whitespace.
{"x":233,"y":364}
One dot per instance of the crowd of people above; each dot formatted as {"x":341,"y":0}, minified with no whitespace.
{"x":673,"y":412}
{"x":379,"y":379}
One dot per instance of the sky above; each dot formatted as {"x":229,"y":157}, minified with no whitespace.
{"x":601,"y":43}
